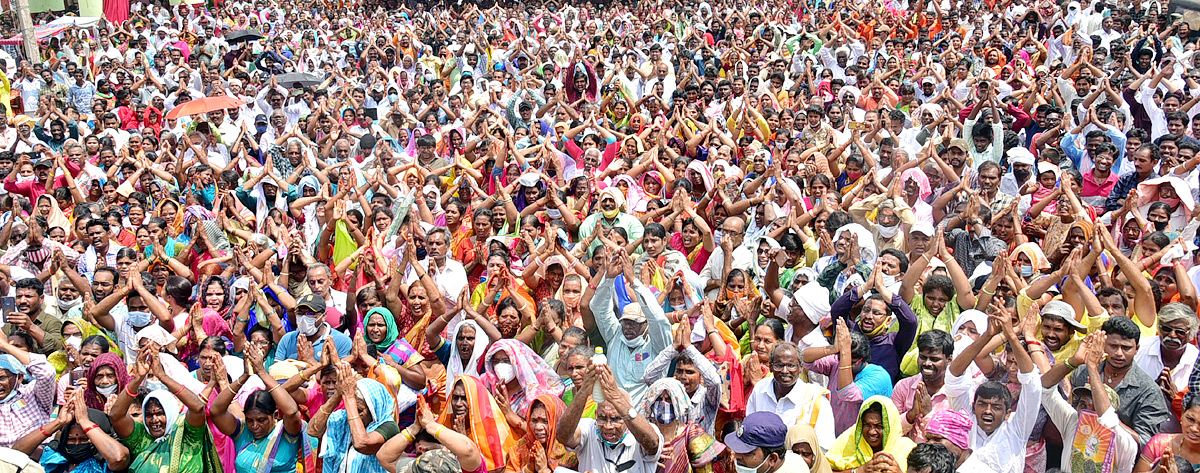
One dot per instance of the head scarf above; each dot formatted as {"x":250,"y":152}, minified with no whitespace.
{"x":56,"y":218}
{"x":535,"y":375}
{"x":1148,"y":192}
{"x":1084,"y":225}
{"x":866,"y":241}
{"x":922,"y":180}
{"x":1035,"y":255}
{"x":677,"y":396}
{"x":58,"y":359}
{"x":851,"y":450}
{"x":170,"y":407}
{"x":10,"y":364}
{"x":336,"y":445}
{"x":615,"y":193}
{"x":61,"y":453}
{"x":489,"y":430}
{"x":392,"y":331}
{"x":804,"y":433}
{"x":952,"y":425}
{"x":111,"y":360}
{"x":554,"y":410}
{"x":457,"y":367}
{"x":705,"y":175}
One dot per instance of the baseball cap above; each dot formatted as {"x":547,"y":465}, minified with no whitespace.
{"x":261,"y":118}
{"x":433,"y":461}
{"x":44,"y":162}
{"x":759,"y":430}
{"x":928,"y":80}
{"x":924,"y":228}
{"x":958,"y":143}
{"x":313,"y":302}
{"x":633,"y":311}
{"x":1064,"y":311}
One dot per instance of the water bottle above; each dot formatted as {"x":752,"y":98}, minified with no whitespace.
{"x":598,"y":359}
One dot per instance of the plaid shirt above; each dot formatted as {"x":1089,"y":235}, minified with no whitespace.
{"x":30,"y":407}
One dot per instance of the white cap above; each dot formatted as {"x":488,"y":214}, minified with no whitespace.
{"x":924,"y":228}
{"x":1019,"y":155}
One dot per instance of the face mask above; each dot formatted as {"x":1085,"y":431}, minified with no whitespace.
{"x":307,"y":326}
{"x":26,"y":178}
{"x":422,"y":253}
{"x":554,"y":214}
{"x":888,"y":280}
{"x":611,"y":214}
{"x":260,"y":129}
{"x":1174,"y":202}
{"x":635,"y":342}
{"x":679,"y":308}
{"x":78,"y":453}
{"x":393,"y":97}
{"x":888,"y":231}
{"x":611,"y":444}
{"x":854,"y":175}
{"x":154,"y":385}
{"x":1160,"y":226}
{"x":1026,"y":271}
{"x":139,"y":318}
{"x":745,"y":469}
{"x":663,"y":412}
{"x":1021,"y":175}
{"x":68,"y":304}
{"x":505,"y":372}
{"x":1031,"y":49}
{"x":107,"y":390}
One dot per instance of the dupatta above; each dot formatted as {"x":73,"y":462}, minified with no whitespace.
{"x":488,"y":428}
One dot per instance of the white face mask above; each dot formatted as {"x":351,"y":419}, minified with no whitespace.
{"x":107,"y":390}
{"x":888,"y":280}
{"x":505,"y":372}
{"x":140,"y":318}
{"x":888,"y":231}
{"x":307,"y":326}
{"x":68,"y":304}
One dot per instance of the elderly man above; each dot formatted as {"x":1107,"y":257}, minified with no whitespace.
{"x":1170,"y":356}
{"x":639,"y":335}
{"x":619,"y":439}
{"x":786,"y":395}
{"x":26,"y":392}
{"x":311,"y":324}
{"x":320,"y":281}
{"x":890,"y":212}
{"x":612,"y":215}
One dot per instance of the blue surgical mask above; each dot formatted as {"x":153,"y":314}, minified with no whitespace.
{"x":139,"y":318}
{"x":1026,"y":271}
{"x":601,"y":437}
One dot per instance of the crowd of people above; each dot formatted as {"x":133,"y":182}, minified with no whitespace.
{"x":891,"y":236}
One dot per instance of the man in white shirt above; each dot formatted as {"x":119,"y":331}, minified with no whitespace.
{"x":1176,"y":328}
{"x":320,"y":281}
{"x":619,"y":439}
{"x":793,"y":401}
{"x":733,"y":232}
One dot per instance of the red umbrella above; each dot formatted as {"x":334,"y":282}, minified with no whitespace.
{"x":204,"y":105}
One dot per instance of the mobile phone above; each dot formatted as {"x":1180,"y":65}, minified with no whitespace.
{"x":76,"y":376}
{"x":854,"y":125}
{"x":8,"y":304}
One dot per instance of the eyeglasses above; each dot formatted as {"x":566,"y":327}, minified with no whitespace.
{"x":1171,"y":330}
{"x":605,"y":420}
{"x":785,"y":366}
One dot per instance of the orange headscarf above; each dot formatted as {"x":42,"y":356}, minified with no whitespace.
{"x":488,"y":428}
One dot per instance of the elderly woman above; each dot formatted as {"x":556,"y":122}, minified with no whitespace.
{"x":351,"y":437}
{"x":85,"y":442}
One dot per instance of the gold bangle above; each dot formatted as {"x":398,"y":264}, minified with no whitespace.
{"x":408,"y":436}
{"x":351,"y":418}
{"x":269,"y":391}
{"x":322,"y":410}
{"x":438,"y":431}
{"x":845,"y":367}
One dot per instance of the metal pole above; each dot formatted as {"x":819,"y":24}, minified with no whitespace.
{"x":26,"y":21}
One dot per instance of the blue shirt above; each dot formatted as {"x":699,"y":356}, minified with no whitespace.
{"x":287,"y":345}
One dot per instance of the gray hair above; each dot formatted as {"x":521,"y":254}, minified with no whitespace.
{"x":1178,"y":311}
{"x":323,"y":267}
{"x":445,"y":232}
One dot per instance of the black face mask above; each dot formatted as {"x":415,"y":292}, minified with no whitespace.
{"x":1021,"y":176}
{"x":422,"y":252}
{"x":1160,"y":226}
{"x":79,"y":453}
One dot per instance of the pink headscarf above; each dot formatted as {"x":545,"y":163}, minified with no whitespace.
{"x":952,"y":425}
{"x":922,"y":181}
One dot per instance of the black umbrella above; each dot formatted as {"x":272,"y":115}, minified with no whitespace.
{"x":293,"y":79}
{"x":243,"y":35}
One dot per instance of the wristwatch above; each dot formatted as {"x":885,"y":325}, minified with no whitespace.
{"x":632,"y":414}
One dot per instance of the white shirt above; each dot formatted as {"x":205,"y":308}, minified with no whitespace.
{"x":1149,"y":359}
{"x":595,"y":457}
{"x":1066,"y":418}
{"x":796,"y":407}
{"x":997,"y":451}
{"x":743,"y":258}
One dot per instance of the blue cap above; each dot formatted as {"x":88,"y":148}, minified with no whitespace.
{"x":759,"y":430}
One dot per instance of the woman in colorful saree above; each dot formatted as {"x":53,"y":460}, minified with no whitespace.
{"x":877,"y":430}
{"x":84,"y":444}
{"x":516,"y":375}
{"x":285,"y":442}
{"x":351,"y":437}
{"x":163,"y":442}
{"x":472,"y":412}
{"x":687,"y":446}
{"x":538,"y":451}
